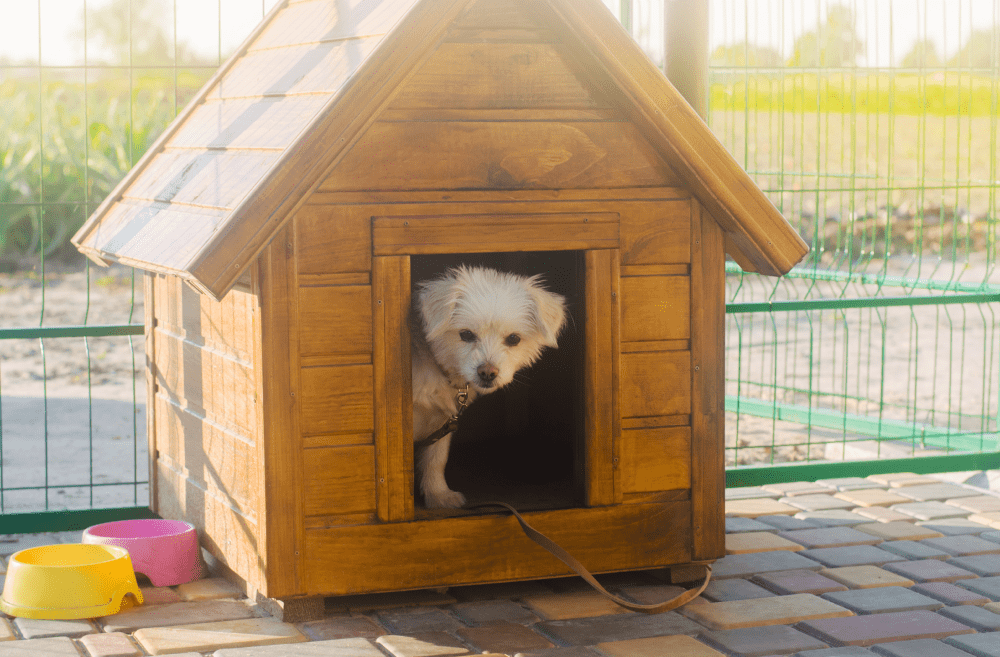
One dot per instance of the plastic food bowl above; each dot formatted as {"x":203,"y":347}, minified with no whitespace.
{"x":165,"y":551}
{"x":69,"y":581}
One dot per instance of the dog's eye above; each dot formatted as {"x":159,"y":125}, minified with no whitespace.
{"x":467,"y":336}
{"x":512,"y":340}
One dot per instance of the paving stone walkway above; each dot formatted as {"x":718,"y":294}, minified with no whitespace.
{"x":811,"y":571}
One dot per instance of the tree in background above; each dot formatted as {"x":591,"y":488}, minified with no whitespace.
{"x":981,"y":50}
{"x":834,"y":43}
{"x":923,"y":54}
{"x":135,"y":32}
{"x":745,"y":54}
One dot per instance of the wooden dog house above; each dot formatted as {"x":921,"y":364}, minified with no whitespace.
{"x":351,"y":147}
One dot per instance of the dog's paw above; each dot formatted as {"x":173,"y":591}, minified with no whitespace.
{"x":446,"y":499}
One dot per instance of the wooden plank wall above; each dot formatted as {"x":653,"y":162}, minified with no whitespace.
{"x":205,"y":421}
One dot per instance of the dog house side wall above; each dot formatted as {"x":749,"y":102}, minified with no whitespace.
{"x":204,"y":417}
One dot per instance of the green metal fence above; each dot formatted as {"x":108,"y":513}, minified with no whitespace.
{"x":871,"y":124}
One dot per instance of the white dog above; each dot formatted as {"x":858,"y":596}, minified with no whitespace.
{"x":477,"y":328}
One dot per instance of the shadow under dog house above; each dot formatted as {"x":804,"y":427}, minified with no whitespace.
{"x":350,"y":148}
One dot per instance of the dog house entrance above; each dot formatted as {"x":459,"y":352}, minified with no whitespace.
{"x":520,"y":444}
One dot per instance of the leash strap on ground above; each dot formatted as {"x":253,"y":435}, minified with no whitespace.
{"x":578,"y":567}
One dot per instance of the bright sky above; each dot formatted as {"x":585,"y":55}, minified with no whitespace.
{"x":889,"y":27}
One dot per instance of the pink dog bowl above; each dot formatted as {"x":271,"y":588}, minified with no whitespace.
{"x":165,"y":551}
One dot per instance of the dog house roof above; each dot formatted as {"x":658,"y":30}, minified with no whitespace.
{"x":227,"y":174}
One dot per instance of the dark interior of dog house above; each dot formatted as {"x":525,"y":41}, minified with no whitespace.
{"x":522,"y":444}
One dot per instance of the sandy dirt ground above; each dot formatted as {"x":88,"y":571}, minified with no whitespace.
{"x":72,"y":410}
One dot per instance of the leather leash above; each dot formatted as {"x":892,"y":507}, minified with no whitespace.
{"x":451,"y":424}
{"x":580,"y":570}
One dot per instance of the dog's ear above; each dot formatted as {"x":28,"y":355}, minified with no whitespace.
{"x":436,"y":301}
{"x":550,"y":313}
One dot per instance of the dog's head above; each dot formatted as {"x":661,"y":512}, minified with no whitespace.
{"x":485,"y":325}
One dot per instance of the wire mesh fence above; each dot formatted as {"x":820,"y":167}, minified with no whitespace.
{"x":871,"y":124}
{"x":873,"y":127}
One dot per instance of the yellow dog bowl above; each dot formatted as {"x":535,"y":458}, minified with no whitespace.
{"x":69,"y":581}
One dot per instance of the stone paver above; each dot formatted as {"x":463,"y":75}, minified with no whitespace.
{"x":749,"y":493}
{"x":380,"y":601}
{"x":897,"y":530}
{"x":790,"y":582}
{"x":881,"y":628}
{"x":830,"y":537}
{"x":914,"y":550}
{"x":52,"y":647}
{"x":882,"y":514}
{"x":6,"y":629}
{"x":989,"y":519}
{"x":761,"y":506}
{"x":977,"y":504}
{"x":872,"y":497}
{"x":817,"y":502}
{"x":559,"y":606}
{"x":410,"y":620}
{"x":936,"y":492}
{"x":955,"y":526}
{"x":980,"y":645}
{"x":36,"y":628}
{"x":984,"y":565}
{"x":988,"y":586}
{"x":735,"y":525}
{"x":332,"y":648}
{"x":797,"y":488}
{"x":881,"y":600}
{"x":865,"y":577}
{"x":929,"y":510}
{"x":779,"y":610}
{"x":739,"y":565}
{"x":591,"y":631}
{"x":833,"y":518}
{"x":842,"y":651}
{"x":787,"y":523}
{"x":723,"y":590}
{"x":929,"y":570}
{"x":504,"y":637}
{"x":918,"y":648}
{"x":903,"y":479}
{"x":212,"y":588}
{"x":990,"y":536}
{"x":658,"y":646}
{"x":114,"y":644}
{"x":487,"y":611}
{"x":763,"y":542}
{"x":179,"y":613}
{"x":158,"y":595}
{"x":342,"y":627}
{"x":849,"y":483}
{"x":424,"y":644}
{"x":204,"y":637}
{"x":860,"y":555}
{"x":762,"y":641}
{"x":950,"y":594}
{"x":963,"y":545}
{"x":977,"y":617}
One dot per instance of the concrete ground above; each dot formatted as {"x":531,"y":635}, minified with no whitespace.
{"x":894,"y":565}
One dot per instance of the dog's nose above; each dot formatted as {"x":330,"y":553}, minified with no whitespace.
{"x":487,"y":373}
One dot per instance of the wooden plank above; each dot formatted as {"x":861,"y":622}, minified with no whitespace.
{"x":347,"y":278}
{"x":493,"y":232}
{"x":336,"y":399}
{"x":336,"y":440}
{"x":339,"y":480}
{"x":708,"y":389}
{"x":656,"y":345}
{"x":335,"y":319}
{"x":602,"y":422}
{"x":393,"y":387}
{"x":656,"y":459}
{"x":492,"y":548}
{"x":279,"y":386}
{"x":453,"y":155}
{"x":574,"y":199}
{"x":654,"y":422}
{"x":510,"y":115}
{"x":656,"y":308}
{"x":676,"y":130}
{"x":319,"y":21}
{"x":655,"y":383}
{"x":200,"y":177}
{"x":656,"y":270}
{"x":657,"y":233}
{"x":496,"y":75}
{"x":333,"y":239}
{"x":496,"y":14}
{"x":152,"y":290}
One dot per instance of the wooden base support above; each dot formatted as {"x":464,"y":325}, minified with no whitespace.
{"x":293,"y":610}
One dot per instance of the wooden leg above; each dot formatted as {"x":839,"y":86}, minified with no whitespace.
{"x":293,"y":610}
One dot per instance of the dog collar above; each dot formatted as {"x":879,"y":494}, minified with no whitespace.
{"x":451,"y":424}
